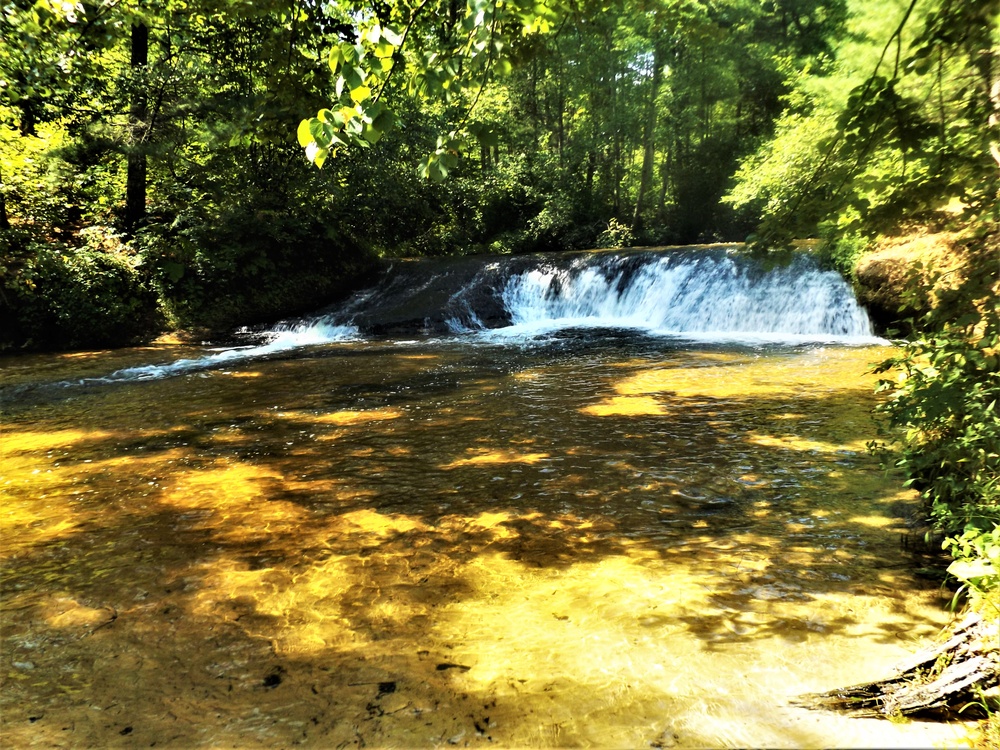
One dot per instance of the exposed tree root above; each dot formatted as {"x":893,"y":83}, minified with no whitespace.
{"x":944,"y":678}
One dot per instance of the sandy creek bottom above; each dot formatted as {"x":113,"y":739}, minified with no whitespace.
{"x":596,"y":542}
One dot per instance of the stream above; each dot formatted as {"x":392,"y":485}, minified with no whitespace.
{"x":578,"y":527}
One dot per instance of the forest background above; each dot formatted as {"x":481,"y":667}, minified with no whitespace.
{"x":158,"y":169}
{"x":151,"y":176}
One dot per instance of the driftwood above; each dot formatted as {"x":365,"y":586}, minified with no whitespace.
{"x":945,"y":678}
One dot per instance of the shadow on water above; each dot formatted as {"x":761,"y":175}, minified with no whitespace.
{"x":379,"y":546}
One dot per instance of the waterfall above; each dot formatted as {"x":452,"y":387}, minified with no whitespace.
{"x":703,"y":294}
{"x":696,"y":294}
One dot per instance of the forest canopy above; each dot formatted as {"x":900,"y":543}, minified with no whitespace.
{"x":158,"y":157}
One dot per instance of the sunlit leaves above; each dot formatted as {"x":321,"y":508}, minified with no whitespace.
{"x":41,"y":45}
{"x":361,"y":72}
{"x":911,"y":136}
{"x":450,"y":57}
{"x":445,"y":157}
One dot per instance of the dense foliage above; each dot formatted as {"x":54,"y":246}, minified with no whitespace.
{"x":943,"y":407}
{"x":165,"y":132}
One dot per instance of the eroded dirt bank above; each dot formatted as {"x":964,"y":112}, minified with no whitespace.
{"x":905,"y":275}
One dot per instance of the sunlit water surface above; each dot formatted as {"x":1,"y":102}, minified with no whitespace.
{"x":600,"y":541}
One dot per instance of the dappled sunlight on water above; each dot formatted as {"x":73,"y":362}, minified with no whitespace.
{"x":363,"y":546}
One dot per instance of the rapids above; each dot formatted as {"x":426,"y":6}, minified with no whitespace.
{"x":561,"y":528}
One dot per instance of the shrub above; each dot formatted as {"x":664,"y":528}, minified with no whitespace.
{"x":62,"y":297}
{"x":616,"y":235}
{"x":944,"y":411}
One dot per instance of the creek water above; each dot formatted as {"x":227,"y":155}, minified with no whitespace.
{"x":587,"y":533}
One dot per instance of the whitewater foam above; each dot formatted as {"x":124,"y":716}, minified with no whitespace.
{"x":707,"y":297}
{"x":279,"y":339}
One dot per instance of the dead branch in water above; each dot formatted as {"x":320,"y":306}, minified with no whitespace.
{"x":946,"y":677}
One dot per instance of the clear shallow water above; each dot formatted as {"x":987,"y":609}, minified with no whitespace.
{"x":597,"y":540}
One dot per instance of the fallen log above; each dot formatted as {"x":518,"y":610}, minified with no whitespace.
{"x":945,"y":678}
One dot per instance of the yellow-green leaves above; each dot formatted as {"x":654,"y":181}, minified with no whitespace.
{"x":360,"y":94}
{"x":436,"y":166}
{"x":304,"y":133}
{"x":455,"y":62}
{"x":360,"y":118}
{"x":322,"y":134}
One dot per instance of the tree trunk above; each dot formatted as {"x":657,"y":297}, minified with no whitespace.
{"x":665,"y":170}
{"x":591,"y":171}
{"x":4,"y":221}
{"x":135,"y":179}
{"x":648,"y":141}
{"x":27,"y":125}
{"x":994,"y":101}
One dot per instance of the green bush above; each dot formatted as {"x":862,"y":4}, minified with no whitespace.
{"x":943,"y":411}
{"x":841,"y":250}
{"x":61,"y":297}
{"x":616,"y":235}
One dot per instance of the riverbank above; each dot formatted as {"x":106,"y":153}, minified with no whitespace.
{"x":940,"y":423}
{"x":901,"y":276}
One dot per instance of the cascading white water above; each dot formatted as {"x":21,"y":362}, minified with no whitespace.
{"x":698,"y":295}
{"x":279,"y":339}
{"x":695,"y":294}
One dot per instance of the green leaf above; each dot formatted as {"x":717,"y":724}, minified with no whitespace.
{"x":350,"y":53}
{"x":384,"y":122}
{"x":336,"y":59}
{"x":371,"y":134}
{"x":354,"y":77}
{"x":392,"y":36}
{"x":379,"y":66}
{"x":416,"y":84}
{"x":373,"y":110}
{"x":336,"y":119}
{"x":304,"y":133}
{"x":354,"y":126}
{"x":321,"y":132}
{"x":361,"y":94}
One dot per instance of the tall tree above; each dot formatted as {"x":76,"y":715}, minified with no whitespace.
{"x":135,"y":181}
{"x":649,"y":137}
